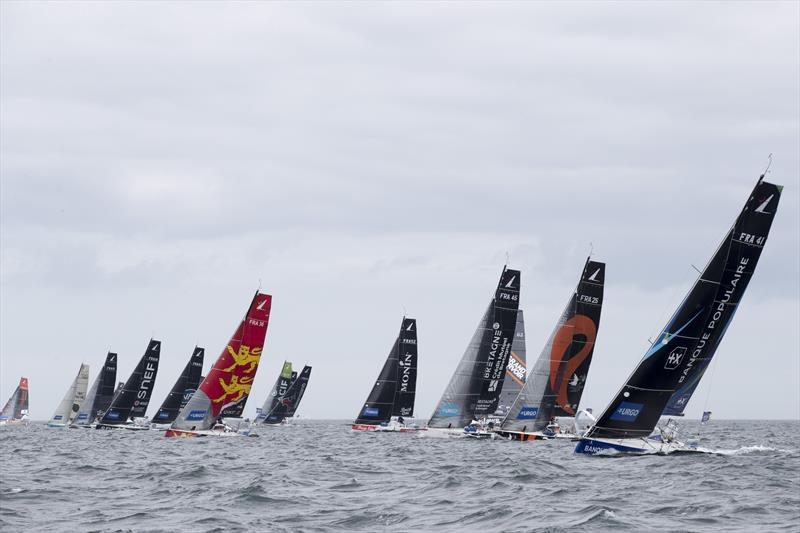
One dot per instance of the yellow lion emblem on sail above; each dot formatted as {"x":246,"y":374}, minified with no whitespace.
{"x":235,"y":387}
{"x":244,"y":357}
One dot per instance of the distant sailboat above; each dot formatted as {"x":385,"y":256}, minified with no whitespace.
{"x":556,"y":384}
{"x":224,"y":392}
{"x":285,"y":397}
{"x":475,"y":387}
{"x":100,"y":394}
{"x":182,"y":391}
{"x":131,"y":401}
{"x":16,"y":409}
{"x":391,"y":400}
{"x":67,"y":410}
{"x":670,"y":371}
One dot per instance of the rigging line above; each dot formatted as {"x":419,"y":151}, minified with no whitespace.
{"x":708,"y":393}
{"x":769,"y":164}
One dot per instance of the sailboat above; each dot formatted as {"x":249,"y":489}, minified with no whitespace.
{"x":129,"y":405}
{"x":283,"y":400}
{"x":224,"y":391}
{"x":555,"y":386}
{"x":664,"y":380}
{"x":16,"y":409}
{"x":391,"y":400}
{"x":67,"y":410}
{"x":99,"y":396}
{"x":473,"y":393}
{"x":181,"y":392}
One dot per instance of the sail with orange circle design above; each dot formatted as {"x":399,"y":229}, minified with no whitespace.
{"x":555,"y":385}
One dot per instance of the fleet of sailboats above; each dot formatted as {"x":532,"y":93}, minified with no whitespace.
{"x":493,"y":393}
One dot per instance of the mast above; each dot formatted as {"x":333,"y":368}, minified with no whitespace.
{"x":477,"y":383}
{"x":132,"y":399}
{"x":670,"y":370}
{"x":380,"y":404}
{"x":184,"y":388}
{"x":99,"y":396}
{"x":227,"y":386}
{"x":555,"y":385}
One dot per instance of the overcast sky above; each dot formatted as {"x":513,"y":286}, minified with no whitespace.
{"x":366,"y":160}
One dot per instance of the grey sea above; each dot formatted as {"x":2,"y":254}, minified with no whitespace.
{"x":318,"y":476}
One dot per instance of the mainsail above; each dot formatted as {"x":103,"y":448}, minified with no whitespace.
{"x":184,"y":388}
{"x":99,"y":396}
{"x":395,"y":389}
{"x":516,"y":371}
{"x":69,"y":406}
{"x":287,"y":397}
{"x":555,"y":385}
{"x":276,"y":394}
{"x":16,"y":406}
{"x":131,"y":400}
{"x":477,"y":383}
{"x":227,"y":386}
{"x":296,"y":391}
{"x":671,"y":369}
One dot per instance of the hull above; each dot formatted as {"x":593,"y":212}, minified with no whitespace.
{"x":385,"y":429}
{"x":631,"y":446}
{"x":129,"y":426}
{"x":205,"y":433}
{"x":520,"y":436}
{"x":56,"y":425}
{"x":443,"y":433}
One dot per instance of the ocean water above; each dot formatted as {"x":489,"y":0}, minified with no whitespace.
{"x":318,"y":476}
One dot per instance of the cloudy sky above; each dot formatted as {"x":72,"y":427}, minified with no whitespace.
{"x":362,"y":161}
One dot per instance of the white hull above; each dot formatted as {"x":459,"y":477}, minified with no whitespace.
{"x":443,"y":433}
{"x":634,"y":446}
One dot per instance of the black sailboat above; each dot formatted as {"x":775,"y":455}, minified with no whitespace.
{"x":395,"y":390}
{"x":132,"y":399}
{"x":475,"y":387}
{"x":555,"y":386}
{"x":182,"y":391}
{"x":671,"y":369}
{"x":286,"y":399}
{"x":99,"y":397}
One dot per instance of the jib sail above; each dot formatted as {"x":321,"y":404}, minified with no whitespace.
{"x":184,"y":388}
{"x":555,"y":385}
{"x":476,"y":385}
{"x":99,"y":396}
{"x":67,"y":410}
{"x":227,"y":386}
{"x":393,"y":393}
{"x":131,"y":400}
{"x":17,"y":405}
{"x":671,"y":369}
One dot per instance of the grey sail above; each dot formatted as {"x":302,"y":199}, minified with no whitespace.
{"x":516,"y":371}
{"x":68,"y":408}
{"x":99,"y":396}
{"x":474,"y":389}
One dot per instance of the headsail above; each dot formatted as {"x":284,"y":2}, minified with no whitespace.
{"x":516,"y":371}
{"x":671,"y":369}
{"x":184,"y":388}
{"x":227,"y":386}
{"x":99,"y":396}
{"x":555,"y":385}
{"x":16,"y":406}
{"x":68,"y":408}
{"x":477,"y":383}
{"x":394,"y":391}
{"x":131,"y":400}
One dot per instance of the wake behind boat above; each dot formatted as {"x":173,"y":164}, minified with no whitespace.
{"x":670,"y":371}
{"x":555,"y":386}
{"x":224,"y":391}
{"x":474,"y":390}
{"x":392,"y":398}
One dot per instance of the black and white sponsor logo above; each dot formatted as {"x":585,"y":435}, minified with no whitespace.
{"x":675,"y":357}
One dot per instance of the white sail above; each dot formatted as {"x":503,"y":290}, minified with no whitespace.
{"x":68,"y":408}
